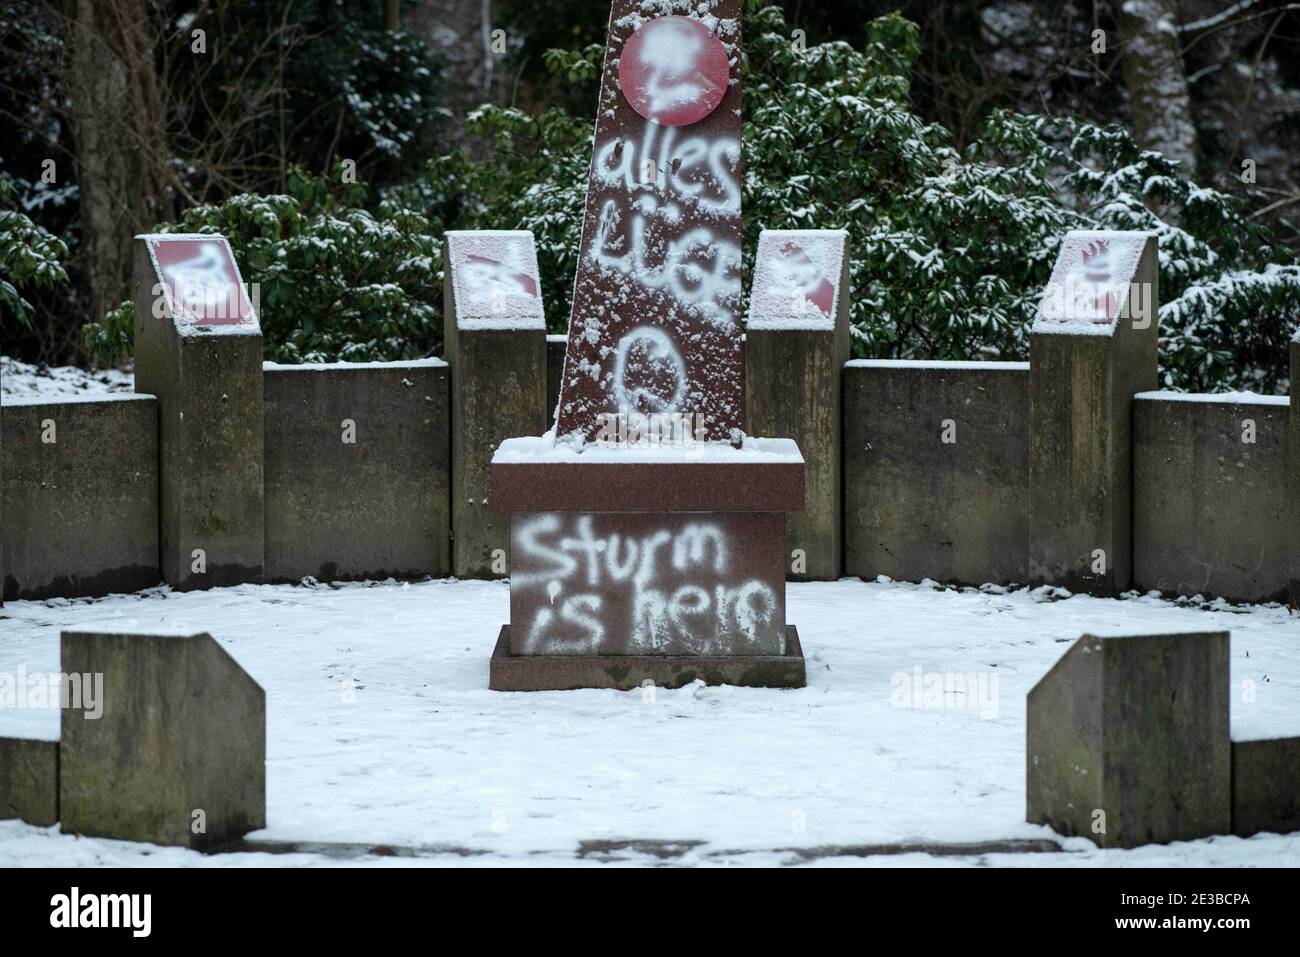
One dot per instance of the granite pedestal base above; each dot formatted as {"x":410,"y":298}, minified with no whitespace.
{"x":510,"y":672}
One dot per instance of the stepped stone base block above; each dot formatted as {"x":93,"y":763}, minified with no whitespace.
{"x":80,"y":495}
{"x":1266,"y":786}
{"x":357,"y":466}
{"x":178,"y":756}
{"x":628,"y":554}
{"x":511,"y":672}
{"x":1127,"y":740}
{"x":29,"y":781}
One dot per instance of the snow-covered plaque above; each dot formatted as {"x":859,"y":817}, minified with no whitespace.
{"x":655,"y":323}
{"x":199,"y":280}
{"x":1095,"y":282}
{"x":798,"y":279}
{"x":494,"y":279}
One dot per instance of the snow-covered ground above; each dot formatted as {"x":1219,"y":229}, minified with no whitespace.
{"x":381,"y":730}
{"x":22,"y":380}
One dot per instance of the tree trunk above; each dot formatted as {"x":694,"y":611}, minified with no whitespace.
{"x":118,"y":122}
{"x":1156,"y":82}
{"x":392,"y":15}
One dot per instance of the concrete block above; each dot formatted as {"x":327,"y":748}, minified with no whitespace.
{"x":178,"y":755}
{"x":1266,"y":786}
{"x":80,"y":496}
{"x":29,"y":781}
{"x":1210,"y":499}
{"x":207,"y":376}
{"x":1130,"y":734}
{"x":937,"y":470}
{"x":495,"y":339}
{"x":1091,"y":350}
{"x":795,"y":349}
{"x":358,"y":471}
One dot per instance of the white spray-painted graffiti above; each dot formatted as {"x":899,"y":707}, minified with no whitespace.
{"x":672,"y":586}
{"x":649,"y":374}
{"x":699,"y":269}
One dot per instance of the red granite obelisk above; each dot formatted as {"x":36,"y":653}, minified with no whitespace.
{"x":648,"y":532}
{"x":655,"y":326}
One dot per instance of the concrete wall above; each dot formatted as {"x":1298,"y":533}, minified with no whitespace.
{"x":917,"y":506}
{"x":357,"y":471}
{"x":555,"y":346}
{"x":81,"y":514}
{"x":80,"y":496}
{"x":1209,"y":512}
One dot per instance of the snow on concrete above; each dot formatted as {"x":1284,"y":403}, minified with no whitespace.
{"x":1228,"y":398}
{"x":22,"y":380}
{"x":381,"y":728}
{"x":535,"y":449}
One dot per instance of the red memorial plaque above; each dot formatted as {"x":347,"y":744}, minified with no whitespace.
{"x":1094,"y":279}
{"x":796,"y":278}
{"x":200,"y":279}
{"x":655,"y":321}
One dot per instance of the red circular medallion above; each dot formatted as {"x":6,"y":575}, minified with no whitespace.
{"x":673,"y":70}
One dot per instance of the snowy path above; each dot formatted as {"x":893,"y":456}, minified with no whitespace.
{"x":424,"y":756}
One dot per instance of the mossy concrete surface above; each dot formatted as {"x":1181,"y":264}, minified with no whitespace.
{"x":358,"y":471}
{"x":209,"y":388}
{"x":80,"y":495}
{"x":498,"y":391}
{"x":1266,"y":786}
{"x":29,"y":781}
{"x":1127,"y":740}
{"x":1210,"y":498}
{"x":178,"y":755}
{"x":937,"y":466}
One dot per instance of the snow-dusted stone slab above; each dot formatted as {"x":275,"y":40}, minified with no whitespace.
{"x":178,"y":755}
{"x":29,"y":781}
{"x":1210,"y":495}
{"x":1091,"y":349}
{"x":1266,"y":786}
{"x":80,"y":496}
{"x":495,"y":342}
{"x":655,"y":326}
{"x":534,"y":474}
{"x":798,"y":332}
{"x":1127,"y":740}
{"x":510,"y":672}
{"x":198,"y":348}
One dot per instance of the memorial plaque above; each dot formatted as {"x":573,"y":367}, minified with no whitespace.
{"x":1095,"y":281}
{"x":494,"y":279}
{"x":647,"y":584}
{"x":797,"y":279}
{"x":200,"y":279}
{"x":655,"y":322}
